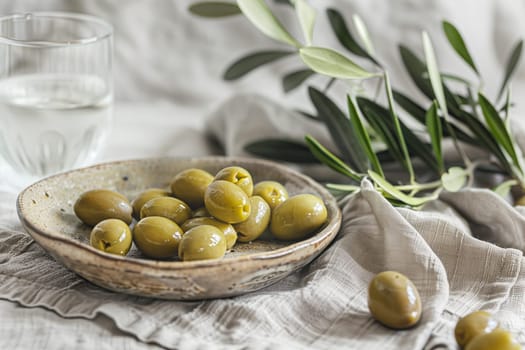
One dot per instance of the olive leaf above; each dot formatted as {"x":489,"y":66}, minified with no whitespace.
{"x":397,"y":127}
{"x":363,"y":137}
{"x":280,"y":149}
{"x":340,"y":129}
{"x":385,"y":133}
{"x":295,"y":79}
{"x":214,"y":9}
{"x":486,"y":139}
{"x":246,"y":64}
{"x":285,"y":2}
{"x":439,"y":92}
{"x":503,"y":189}
{"x":435,"y":131}
{"x":411,"y":107}
{"x":385,"y":156}
{"x":306,"y":15}
{"x":434,"y":75}
{"x":419,"y":148}
{"x":454,"y":179}
{"x":363,"y":34}
{"x":329,"y":159}
{"x":417,"y":70}
{"x":498,"y":128}
{"x":308,"y":115}
{"x":343,"y":187}
{"x":416,"y":111}
{"x":262,"y":17}
{"x":512,"y":63}
{"x":464,"y":100}
{"x":397,"y":194}
{"x":339,"y":27}
{"x":456,"y":78}
{"x":506,"y":108}
{"x":456,"y":40}
{"x":329,"y":62}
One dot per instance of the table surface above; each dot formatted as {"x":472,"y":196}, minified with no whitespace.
{"x":139,"y":131}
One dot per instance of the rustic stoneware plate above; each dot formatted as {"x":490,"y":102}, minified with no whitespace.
{"x":46,"y":211}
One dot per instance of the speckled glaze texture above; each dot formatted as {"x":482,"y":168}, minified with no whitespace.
{"x":46,"y":211}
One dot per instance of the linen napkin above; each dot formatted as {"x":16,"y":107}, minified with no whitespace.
{"x":323,"y":305}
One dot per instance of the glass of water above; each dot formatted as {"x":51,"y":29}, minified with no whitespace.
{"x":56,"y":90}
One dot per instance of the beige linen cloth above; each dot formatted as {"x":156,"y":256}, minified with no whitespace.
{"x":324,"y":305}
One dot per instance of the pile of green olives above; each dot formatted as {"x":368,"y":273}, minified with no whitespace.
{"x":479,"y":330}
{"x":201,"y":216}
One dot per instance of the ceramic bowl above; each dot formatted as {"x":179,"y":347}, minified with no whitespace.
{"x":46,"y":211}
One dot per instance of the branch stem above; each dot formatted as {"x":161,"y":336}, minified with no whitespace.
{"x":329,"y":85}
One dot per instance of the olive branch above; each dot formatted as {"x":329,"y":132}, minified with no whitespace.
{"x":467,"y":116}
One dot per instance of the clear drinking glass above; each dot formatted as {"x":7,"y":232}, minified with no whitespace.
{"x":56,"y":90}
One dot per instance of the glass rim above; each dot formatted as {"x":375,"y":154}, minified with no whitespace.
{"x":107,"y":29}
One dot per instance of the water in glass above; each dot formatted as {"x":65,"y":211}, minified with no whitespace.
{"x":52,"y":122}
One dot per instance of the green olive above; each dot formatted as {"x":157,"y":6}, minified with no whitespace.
{"x":520,"y":201}
{"x":157,"y":237}
{"x":145,"y":196}
{"x":168,"y":207}
{"x":251,"y":228}
{"x":498,"y":339}
{"x":472,"y":325}
{"x":189,"y":186}
{"x":393,"y":300}
{"x":227,"y":229}
{"x":96,"y":205}
{"x":297,"y":217}
{"x":227,"y":202}
{"x":201,"y":213}
{"x":202,"y":242}
{"x":272,"y":192}
{"x":111,"y":236}
{"x":237,"y":175}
